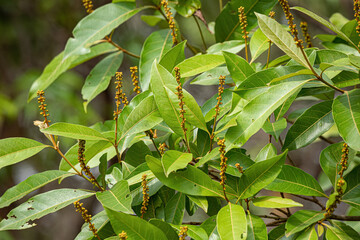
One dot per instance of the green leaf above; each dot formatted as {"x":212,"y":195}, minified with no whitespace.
{"x":275,"y":128}
{"x":32,"y":183}
{"x":352,"y":193}
{"x":165,"y":227}
{"x":259,"y":43}
{"x":191,"y":181}
{"x":173,"y":57}
{"x":199,"y":63}
{"x":144,"y":117}
{"x":346,"y":111}
{"x":74,"y":131}
{"x":256,"y":228}
{"x":136,"y":154}
{"x":259,"y":175}
{"x":210,"y":227}
{"x":301,"y":220}
{"x":194,"y":232}
{"x":202,"y":202}
{"x":97,"y":25}
{"x":211,"y":77}
{"x":278,"y":35}
{"x":231,"y":222}
{"x":330,"y":158}
{"x":117,"y":198}
{"x":186,"y":8}
{"x":232,"y":46}
{"x":268,"y":151}
{"x":99,"y":78}
{"x":102,"y":225}
{"x":173,"y":160}
{"x":314,"y":122}
{"x":135,"y":227}
{"x":346,"y":229}
{"x":256,"y":112}
{"x":296,"y":181}
{"x":333,"y":233}
{"x":14,"y":150}
{"x":22,"y":217}
{"x":238,"y":67}
{"x":308,"y":234}
{"x":103,"y":169}
{"x":175,"y":208}
{"x":326,"y":24}
{"x":155,"y":46}
{"x":163,"y":85}
{"x":227,"y":25}
{"x":275,"y":202}
{"x":57,"y":66}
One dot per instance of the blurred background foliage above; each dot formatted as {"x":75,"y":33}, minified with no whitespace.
{"x":34,"y":32}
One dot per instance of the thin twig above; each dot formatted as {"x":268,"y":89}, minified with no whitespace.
{"x":275,"y":223}
{"x":201,"y":34}
{"x":287,"y":209}
{"x":314,"y":200}
{"x":287,"y":155}
{"x":345,"y":218}
{"x":121,"y":49}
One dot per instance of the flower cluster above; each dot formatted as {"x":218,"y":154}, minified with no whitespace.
{"x":223,"y":165}
{"x":162,"y":147}
{"x":120,"y":96}
{"x":88,"y":6}
{"x":135,"y":79}
{"x":344,"y":159}
{"x":180,"y":95}
{"x":81,"y":160}
{"x":304,"y":29}
{"x":42,"y":106}
{"x":241,"y":170}
{"x":286,"y":8}
{"x":170,"y":20}
{"x":145,"y":192}
{"x":357,"y":14}
{"x":123,"y":235}
{"x":244,"y":24}
{"x":86,"y":217}
{"x":183,"y":233}
{"x":219,"y":99}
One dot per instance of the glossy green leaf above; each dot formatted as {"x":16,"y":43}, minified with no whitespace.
{"x":346,"y":112}
{"x":32,"y":183}
{"x":308,"y":234}
{"x":256,"y":228}
{"x":173,"y":160}
{"x":333,"y":233}
{"x":330,"y":158}
{"x":135,"y":227}
{"x":275,"y":128}
{"x":97,"y":25}
{"x":202,"y":202}
{"x":14,"y":150}
{"x":22,"y":217}
{"x":210,"y":227}
{"x":301,"y":220}
{"x":163,"y":85}
{"x":314,"y":122}
{"x":259,"y":43}
{"x":231,"y":222}
{"x":102,"y":225}
{"x":194,"y":232}
{"x":175,"y":208}
{"x":186,"y":8}
{"x":275,"y":202}
{"x":259,"y":175}
{"x":278,"y":233}
{"x":278,"y":35}
{"x":296,"y":181}
{"x":199,"y":63}
{"x":352,"y":193}
{"x":57,"y":66}
{"x":165,"y":227}
{"x":74,"y":131}
{"x":99,"y":78}
{"x":211,"y":77}
{"x":227,"y":25}
{"x":238,"y":67}
{"x":268,"y":151}
{"x":191,"y":181}
{"x":173,"y":57}
{"x":117,"y":198}
{"x":155,"y":46}
{"x":325,"y":23}
{"x":232,"y":46}
{"x":144,"y":117}
{"x":256,"y":112}
{"x":346,"y":229}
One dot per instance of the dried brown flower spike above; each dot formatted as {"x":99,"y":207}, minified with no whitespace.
{"x":145,"y":191}
{"x":87,"y":217}
{"x":305,"y":32}
{"x":88,"y":6}
{"x":135,"y":79}
{"x":170,"y":20}
{"x":244,"y":24}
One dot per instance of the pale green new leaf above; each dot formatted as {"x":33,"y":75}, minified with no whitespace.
{"x":231,"y":222}
{"x":296,"y":181}
{"x":155,"y":46}
{"x":346,"y":112}
{"x":173,"y":160}
{"x":14,"y":150}
{"x":32,"y":183}
{"x":256,"y":112}
{"x":275,"y":202}
{"x":22,"y":217}
{"x":99,"y":78}
{"x":117,"y":198}
{"x":135,"y":227}
{"x":278,"y":35}
{"x":301,"y":220}
{"x":259,"y":175}
{"x":199,"y":63}
{"x":74,"y":131}
{"x":97,"y":25}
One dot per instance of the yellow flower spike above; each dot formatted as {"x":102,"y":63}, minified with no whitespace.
{"x":135,"y":79}
{"x":43,"y":107}
{"x":304,"y":29}
{"x":244,"y":24}
{"x":357,"y":16}
{"x":88,"y":6}
{"x":123,"y":235}
{"x":87,"y":217}
{"x":145,"y":191}
{"x":170,"y":20}
{"x":223,"y":165}
{"x":183,"y":233}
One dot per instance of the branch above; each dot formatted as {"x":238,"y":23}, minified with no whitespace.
{"x":314,"y":200}
{"x":345,"y":218}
